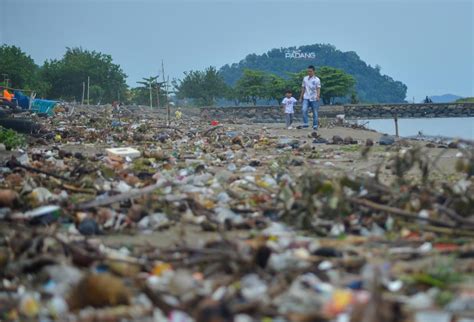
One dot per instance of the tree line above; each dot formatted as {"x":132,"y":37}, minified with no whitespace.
{"x":205,"y":87}
{"x":65,"y":79}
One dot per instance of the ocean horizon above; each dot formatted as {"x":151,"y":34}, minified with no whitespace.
{"x":450,"y":127}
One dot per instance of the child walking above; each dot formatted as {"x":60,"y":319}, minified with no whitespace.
{"x":288,"y":104}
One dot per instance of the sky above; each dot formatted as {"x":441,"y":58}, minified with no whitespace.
{"x":428,"y":45}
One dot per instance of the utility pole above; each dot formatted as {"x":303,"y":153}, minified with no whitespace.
{"x":157,"y":95}
{"x":88,"y":87}
{"x":168,"y":113}
{"x":168,"y":110}
{"x":83,"y":91}
{"x":395,"y":118}
{"x":151,"y":95}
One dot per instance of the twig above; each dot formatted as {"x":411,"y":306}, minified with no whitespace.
{"x":446,"y":230}
{"x":455,"y":216}
{"x":204,"y":260}
{"x":117,"y":198}
{"x":157,"y":300}
{"x":168,"y":127}
{"x":76,"y":189}
{"x":203,"y":251}
{"x":13,"y":163}
{"x":398,"y":212}
{"x":212,"y":129}
{"x":97,"y":255}
{"x":434,"y":163}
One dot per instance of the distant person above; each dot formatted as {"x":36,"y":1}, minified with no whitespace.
{"x":178,"y":114}
{"x":310,"y":94}
{"x":288,"y":104}
{"x":428,"y":100}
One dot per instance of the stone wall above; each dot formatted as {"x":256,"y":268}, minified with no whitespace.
{"x":260,"y":114}
{"x":410,"y":110}
{"x":274,"y":114}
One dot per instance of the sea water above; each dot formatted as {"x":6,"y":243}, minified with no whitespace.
{"x":453,"y":127}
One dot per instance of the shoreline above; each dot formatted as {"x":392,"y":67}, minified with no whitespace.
{"x":242,"y":203}
{"x":445,"y":129}
{"x":267,"y":113}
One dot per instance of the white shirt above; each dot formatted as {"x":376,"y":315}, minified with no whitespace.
{"x":310,"y":87}
{"x":289,"y":103}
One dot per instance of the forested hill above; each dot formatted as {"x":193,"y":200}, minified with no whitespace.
{"x":371,"y":85}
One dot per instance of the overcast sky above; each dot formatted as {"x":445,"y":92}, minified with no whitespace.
{"x":426,"y":44}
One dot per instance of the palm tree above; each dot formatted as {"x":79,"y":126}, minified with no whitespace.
{"x":152,"y":83}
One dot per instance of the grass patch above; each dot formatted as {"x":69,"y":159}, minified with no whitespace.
{"x":143,"y":165}
{"x":324,"y":122}
{"x":466,"y":100}
{"x":440,"y":275}
{"x":11,"y":139}
{"x":350,"y":148}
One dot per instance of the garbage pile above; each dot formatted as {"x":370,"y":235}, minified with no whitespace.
{"x":292,"y":242}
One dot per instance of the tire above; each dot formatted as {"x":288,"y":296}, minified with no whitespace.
{"x":20,"y":125}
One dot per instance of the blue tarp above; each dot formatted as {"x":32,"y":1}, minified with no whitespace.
{"x":43,"y":106}
{"x":22,"y":99}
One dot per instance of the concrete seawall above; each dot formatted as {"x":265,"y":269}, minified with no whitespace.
{"x":272,"y":114}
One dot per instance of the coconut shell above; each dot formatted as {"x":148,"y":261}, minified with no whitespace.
{"x":7,"y":197}
{"x":99,"y":290}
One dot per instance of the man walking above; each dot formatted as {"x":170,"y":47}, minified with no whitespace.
{"x":310,"y":93}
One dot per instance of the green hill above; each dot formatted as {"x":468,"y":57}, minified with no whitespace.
{"x":465,"y":100}
{"x":371,"y":85}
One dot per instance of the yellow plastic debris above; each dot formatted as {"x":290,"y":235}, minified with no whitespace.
{"x":29,"y":306}
{"x":161,"y":268}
